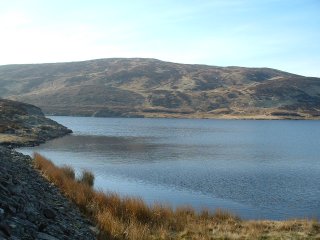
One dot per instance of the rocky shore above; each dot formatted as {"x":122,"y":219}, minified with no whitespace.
{"x":23,"y":124}
{"x":30,"y":206}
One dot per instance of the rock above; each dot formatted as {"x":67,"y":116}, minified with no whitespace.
{"x":26,"y":125}
{"x":44,"y":236}
{"x":32,"y":217}
{"x":42,"y":226}
{"x":5,"y":229}
{"x":1,"y":214}
{"x":95,"y":230}
{"x":12,"y":225}
{"x":48,"y":213}
{"x":11,"y":209}
{"x":3,"y":189}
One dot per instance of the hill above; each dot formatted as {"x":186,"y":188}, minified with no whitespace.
{"x":25,"y":125}
{"x":152,"y":88}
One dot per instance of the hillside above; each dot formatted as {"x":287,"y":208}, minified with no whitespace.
{"x":25,"y":125}
{"x":153,"y":88}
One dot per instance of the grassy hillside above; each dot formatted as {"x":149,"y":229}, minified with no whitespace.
{"x":153,"y":88}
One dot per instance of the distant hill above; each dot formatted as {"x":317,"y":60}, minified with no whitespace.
{"x":153,"y":88}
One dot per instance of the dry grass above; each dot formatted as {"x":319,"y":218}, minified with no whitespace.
{"x":68,"y":171}
{"x":130,"y":218}
{"x":87,"y":178}
{"x":10,"y":138}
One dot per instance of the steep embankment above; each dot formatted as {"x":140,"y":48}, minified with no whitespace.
{"x":30,"y":207}
{"x":153,"y":88}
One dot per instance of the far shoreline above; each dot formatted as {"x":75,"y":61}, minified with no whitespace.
{"x":257,"y":118}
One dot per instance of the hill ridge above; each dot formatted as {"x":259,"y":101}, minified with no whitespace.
{"x":144,"y":87}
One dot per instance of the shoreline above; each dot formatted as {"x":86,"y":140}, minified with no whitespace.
{"x":131,"y":218}
{"x":31,"y":207}
{"x":203,"y":116}
{"x":257,"y":223}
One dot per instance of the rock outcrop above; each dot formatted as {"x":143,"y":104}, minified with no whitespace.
{"x":25,"y":125}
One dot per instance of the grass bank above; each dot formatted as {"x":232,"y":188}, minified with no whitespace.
{"x":130,"y":218}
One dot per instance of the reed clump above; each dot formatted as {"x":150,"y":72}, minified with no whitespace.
{"x":131,"y":218}
{"x":87,"y":177}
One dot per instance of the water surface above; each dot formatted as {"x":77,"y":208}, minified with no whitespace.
{"x":257,"y":169}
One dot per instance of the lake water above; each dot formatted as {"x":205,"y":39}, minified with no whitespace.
{"x":257,"y":169}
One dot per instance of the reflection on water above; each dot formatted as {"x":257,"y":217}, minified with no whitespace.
{"x":259,"y":169}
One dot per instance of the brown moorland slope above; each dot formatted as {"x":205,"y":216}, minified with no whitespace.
{"x":121,"y":87}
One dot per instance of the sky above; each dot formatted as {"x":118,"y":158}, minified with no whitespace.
{"x":281,"y":34}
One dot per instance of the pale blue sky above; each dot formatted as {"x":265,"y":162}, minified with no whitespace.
{"x":281,"y":34}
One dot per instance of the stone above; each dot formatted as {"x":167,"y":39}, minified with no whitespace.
{"x":1,"y":214}
{"x":5,"y":229}
{"x":94,"y":229}
{"x":44,"y":236}
{"x":48,"y":213}
{"x":42,"y":226}
{"x":4,"y":189}
{"x":11,"y":209}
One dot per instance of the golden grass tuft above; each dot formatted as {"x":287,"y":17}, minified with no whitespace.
{"x":131,"y":218}
{"x":87,"y":177}
{"x":221,"y":215}
{"x":68,"y":171}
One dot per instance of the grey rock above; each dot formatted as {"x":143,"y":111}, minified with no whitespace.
{"x":44,"y":236}
{"x":5,"y":229}
{"x":11,"y":209}
{"x":42,"y":227}
{"x":4,"y":189}
{"x":48,"y":213}
{"x":94,"y":229}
